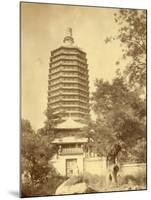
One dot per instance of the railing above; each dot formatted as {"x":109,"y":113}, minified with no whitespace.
{"x":71,"y":151}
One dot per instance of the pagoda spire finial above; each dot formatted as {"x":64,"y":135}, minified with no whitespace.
{"x":68,"y":39}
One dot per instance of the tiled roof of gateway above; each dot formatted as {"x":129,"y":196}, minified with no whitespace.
{"x":70,"y":124}
{"x":70,"y":139}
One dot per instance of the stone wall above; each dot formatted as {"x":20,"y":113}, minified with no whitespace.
{"x":96,"y":166}
{"x":133,"y":169}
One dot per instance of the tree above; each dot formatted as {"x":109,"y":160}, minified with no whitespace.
{"x":36,"y":151}
{"x":120,"y":115}
{"x":26,"y":126}
{"x":132,"y":35}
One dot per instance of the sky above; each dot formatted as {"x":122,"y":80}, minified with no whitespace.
{"x":43,"y":28}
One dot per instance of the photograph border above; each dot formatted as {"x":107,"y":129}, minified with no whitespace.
{"x":20,"y":90}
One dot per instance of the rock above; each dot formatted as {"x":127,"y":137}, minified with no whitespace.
{"x":90,"y":190}
{"x":76,"y":188}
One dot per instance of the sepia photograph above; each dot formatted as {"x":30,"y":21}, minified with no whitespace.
{"x":83,"y":99}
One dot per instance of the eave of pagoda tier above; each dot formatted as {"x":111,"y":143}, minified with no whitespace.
{"x":68,"y":68}
{"x":68,"y":50}
{"x":61,"y":101}
{"x":65,"y":90}
{"x":66,"y":78}
{"x":76,"y":101}
{"x":58,"y":95}
{"x":72,"y":97}
{"x":72,"y":109}
{"x":75,"y":88}
{"x":67,"y":73}
{"x":74,"y":114}
{"x":68,"y":57}
{"x":68,"y":84}
{"x":68,"y":64}
{"x":57,"y":103}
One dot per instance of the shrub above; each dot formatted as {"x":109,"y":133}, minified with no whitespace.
{"x":47,"y":188}
{"x":133,"y":181}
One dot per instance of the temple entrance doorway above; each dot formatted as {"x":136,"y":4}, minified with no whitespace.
{"x":71,"y":167}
